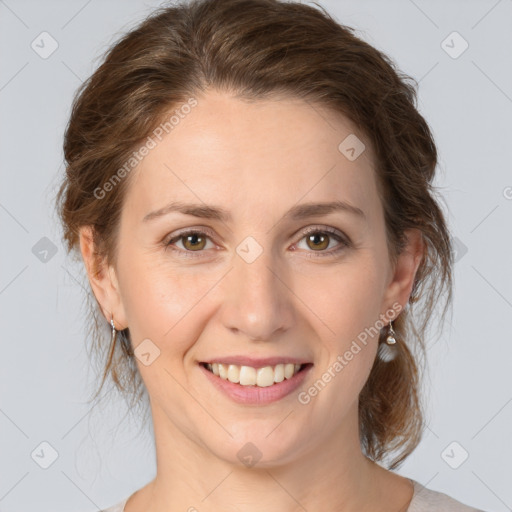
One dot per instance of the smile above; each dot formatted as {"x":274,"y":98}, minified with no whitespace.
{"x":258,"y":386}
{"x":249,"y":376}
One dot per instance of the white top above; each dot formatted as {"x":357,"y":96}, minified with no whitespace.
{"x":423,"y":500}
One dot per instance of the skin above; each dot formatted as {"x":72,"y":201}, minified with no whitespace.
{"x":257,"y":160}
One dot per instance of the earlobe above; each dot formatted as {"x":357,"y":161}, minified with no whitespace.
{"x":102,"y":280}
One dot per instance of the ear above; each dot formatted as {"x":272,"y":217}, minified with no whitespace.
{"x":103,"y":280}
{"x":402,"y":280}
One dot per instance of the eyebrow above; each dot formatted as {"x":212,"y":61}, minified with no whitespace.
{"x":297,"y":212}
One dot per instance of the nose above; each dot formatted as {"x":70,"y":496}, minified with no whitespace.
{"x":257,"y":301}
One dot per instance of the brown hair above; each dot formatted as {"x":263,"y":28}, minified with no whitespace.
{"x":255,"y":49}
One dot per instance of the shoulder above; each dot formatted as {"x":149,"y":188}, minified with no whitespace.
{"x":118,"y":507}
{"x":428,"y":500}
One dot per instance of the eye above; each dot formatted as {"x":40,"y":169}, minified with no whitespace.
{"x":319,"y":240}
{"x":193,"y":240}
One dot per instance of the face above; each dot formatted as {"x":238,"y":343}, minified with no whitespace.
{"x":263,"y":275}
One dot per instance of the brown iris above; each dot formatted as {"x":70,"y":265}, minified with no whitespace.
{"x":193,"y":239}
{"x":314,"y":237}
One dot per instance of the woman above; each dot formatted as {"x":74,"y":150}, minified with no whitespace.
{"x":250,"y":189}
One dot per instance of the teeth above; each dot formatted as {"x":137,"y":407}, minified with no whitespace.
{"x":233,"y":373}
{"x":249,"y":376}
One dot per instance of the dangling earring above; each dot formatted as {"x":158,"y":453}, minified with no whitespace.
{"x":391,"y":340}
{"x":113,"y":329}
{"x":388,"y":351}
{"x":124,"y":341}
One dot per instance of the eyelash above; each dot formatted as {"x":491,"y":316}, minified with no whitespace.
{"x":344,"y":242}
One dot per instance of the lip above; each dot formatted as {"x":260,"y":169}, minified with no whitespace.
{"x":256,"y":362}
{"x":254,"y":395}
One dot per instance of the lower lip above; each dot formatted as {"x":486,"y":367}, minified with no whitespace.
{"x":254,"y":394}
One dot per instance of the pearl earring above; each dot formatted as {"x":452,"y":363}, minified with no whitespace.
{"x":388,"y":351}
{"x":390,"y":339}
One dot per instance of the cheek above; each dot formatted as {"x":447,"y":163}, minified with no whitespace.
{"x":348,"y":308}
{"x":164,"y":307}
{"x":346,"y":299}
{"x":160,"y":302}
{"x":348,"y":313}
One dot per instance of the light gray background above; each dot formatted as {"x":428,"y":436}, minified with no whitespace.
{"x":45,"y":377}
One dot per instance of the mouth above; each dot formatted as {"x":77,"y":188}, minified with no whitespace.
{"x":261,"y":377}
{"x":251,"y":386}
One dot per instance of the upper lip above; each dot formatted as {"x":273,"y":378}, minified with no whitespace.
{"x":256,"y":362}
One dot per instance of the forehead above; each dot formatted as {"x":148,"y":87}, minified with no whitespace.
{"x":254,"y":154}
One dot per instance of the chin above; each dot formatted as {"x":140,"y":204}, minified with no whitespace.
{"x":259,"y":448}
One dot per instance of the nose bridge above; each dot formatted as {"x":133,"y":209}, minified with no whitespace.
{"x":256,"y":300}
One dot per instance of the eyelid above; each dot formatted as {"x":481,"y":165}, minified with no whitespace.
{"x":198,"y":229}
{"x":321,"y":229}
